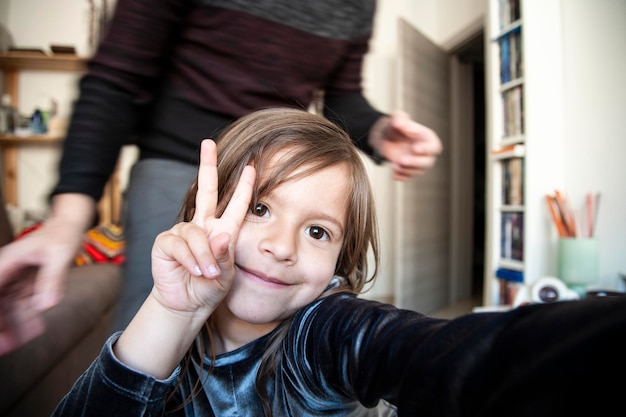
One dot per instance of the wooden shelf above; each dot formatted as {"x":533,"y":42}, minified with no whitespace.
{"x":11,"y":64}
{"x":35,"y":61}
{"x":30,"y":139}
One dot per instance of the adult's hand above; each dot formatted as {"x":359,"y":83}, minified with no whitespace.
{"x":410,"y":147}
{"x":33,"y":270}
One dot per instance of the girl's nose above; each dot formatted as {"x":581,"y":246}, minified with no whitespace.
{"x":281,"y":244}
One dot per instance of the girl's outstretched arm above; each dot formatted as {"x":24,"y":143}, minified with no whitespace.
{"x":193,"y":268}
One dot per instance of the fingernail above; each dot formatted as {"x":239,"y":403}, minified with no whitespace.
{"x":213,"y":270}
{"x":197,"y":271}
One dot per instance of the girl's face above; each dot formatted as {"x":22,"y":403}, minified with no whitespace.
{"x":288,"y":247}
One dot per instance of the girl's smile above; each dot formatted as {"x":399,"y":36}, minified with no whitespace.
{"x":262,"y":278}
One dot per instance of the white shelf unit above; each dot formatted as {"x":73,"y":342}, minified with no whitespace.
{"x":540,"y":141}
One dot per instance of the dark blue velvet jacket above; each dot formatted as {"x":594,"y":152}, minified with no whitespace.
{"x":345,"y":356}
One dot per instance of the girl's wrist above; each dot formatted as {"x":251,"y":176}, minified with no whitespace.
{"x":157,"y":338}
{"x":188,"y":317}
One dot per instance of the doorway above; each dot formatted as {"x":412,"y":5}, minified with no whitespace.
{"x":440,"y":216}
{"x":469,"y":139}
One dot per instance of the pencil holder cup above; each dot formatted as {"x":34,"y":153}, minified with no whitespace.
{"x":578,"y":263}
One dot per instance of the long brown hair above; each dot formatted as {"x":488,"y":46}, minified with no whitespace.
{"x":313,"y":143}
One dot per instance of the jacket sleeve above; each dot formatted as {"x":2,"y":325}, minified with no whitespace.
{"x":356,"y":116}
{"x":539,"y":360}
{"x":108,"y":388}
{"x":120,"y":80}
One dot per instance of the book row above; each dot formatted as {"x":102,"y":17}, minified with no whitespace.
{"x":511,"y":63}
{"x":509,"y":11}
{"x":513,"y":109}
{"x":513,"y":181}
{"x":512,"y":236}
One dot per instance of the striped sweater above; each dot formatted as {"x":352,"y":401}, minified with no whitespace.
{"x":171,"y":73}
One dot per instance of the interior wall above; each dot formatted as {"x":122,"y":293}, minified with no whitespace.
{"x":595,"y":121}
{"x":4,"y":12}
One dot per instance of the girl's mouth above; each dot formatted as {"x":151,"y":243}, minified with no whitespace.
{"x":259,"y":276}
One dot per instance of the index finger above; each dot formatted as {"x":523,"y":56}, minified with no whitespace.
{"x":206,"y":194}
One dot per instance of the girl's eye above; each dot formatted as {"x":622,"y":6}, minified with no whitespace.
{"x":318,"y":233}
{"x":260,"y":210}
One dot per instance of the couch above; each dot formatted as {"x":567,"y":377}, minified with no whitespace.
{"x":36,"y":376}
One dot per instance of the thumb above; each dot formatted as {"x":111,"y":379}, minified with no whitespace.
{"x":400,"y":119}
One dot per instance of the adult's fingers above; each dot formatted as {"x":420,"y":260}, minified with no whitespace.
{"x":49,"y":285}
{"x":14,"y":258}
{"x":47,"y":268}
{"x":425,"y":141}
{"x":20,"y":320}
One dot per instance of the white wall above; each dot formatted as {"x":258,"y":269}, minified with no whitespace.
{"x":595,"y":121}
{"x":39,"y":23}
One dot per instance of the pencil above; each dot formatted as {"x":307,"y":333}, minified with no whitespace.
{"x":595,"y":213}
{"x":589,"y":214}
{"x":558,"y":222}
{"x":566,"y":214}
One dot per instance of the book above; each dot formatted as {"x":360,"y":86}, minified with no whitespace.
{"x":513,"y":111}
{"x":510,"y":275}
{"x":512,"y":236}
{"x":510,"y":54}
{"x":513,"y":181}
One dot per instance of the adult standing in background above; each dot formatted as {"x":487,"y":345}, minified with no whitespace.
{"x":171,"y":73}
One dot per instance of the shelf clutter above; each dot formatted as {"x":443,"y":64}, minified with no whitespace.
{"x":59,"y":59}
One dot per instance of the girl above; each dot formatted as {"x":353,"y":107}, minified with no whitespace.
{"x":254,"y":309}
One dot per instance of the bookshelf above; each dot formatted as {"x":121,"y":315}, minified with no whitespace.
{"x":11,"y":64}
{"x":524,"y":73}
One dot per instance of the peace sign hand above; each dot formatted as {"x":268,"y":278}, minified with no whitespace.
{"x":193,"y":262}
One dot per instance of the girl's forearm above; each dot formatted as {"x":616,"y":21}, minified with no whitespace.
{"x":157,"y":338}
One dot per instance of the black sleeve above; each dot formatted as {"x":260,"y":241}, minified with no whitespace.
{"x":556,"y":359}
{"x":356,"y":116}
{"x":102,"y":122}
{"x":109,"y":388}
{"x":539,"y":360}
